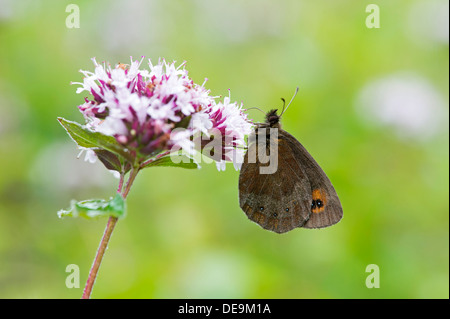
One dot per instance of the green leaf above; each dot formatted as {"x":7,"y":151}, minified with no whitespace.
{"x":174,"y":161}
{"x":110,"y":160}
{"x":88,"y":139}
{"x":93,"y":208}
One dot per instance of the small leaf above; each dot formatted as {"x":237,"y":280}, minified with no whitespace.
{"x":96,"y":208}
{"x":88,"y":139}
{"x":174,"y":161}
{"x":110,"y":160}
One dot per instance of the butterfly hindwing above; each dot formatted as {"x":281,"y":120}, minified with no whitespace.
{"x":325,"y":204}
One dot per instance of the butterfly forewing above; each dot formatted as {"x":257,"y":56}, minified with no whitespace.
{"x":280,"y":201}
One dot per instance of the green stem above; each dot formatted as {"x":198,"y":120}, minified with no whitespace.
{"x":106,"y":237}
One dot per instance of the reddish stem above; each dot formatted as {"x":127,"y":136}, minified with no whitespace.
{"x":155,"y":158}
{"x":106,"y":236}
{"x":99,"y":256}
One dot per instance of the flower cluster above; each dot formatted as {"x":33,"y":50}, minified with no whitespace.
{"x":160,"y":109}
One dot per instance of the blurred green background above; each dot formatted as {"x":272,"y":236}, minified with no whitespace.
{"x":372,"y":109}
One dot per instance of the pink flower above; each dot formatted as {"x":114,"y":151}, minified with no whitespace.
{"x":150,"y":111}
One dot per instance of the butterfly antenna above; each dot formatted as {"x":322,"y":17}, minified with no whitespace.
{"x":257,"y":108}
{"x":285,"y":109}
{"x":284,"y":104}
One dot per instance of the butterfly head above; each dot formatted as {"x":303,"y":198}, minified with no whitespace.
{"x":272,"y":118}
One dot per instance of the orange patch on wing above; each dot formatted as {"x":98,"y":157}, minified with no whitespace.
{"x":321,"y":196}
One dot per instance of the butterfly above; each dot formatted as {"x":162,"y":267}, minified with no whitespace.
{"x":297,"y":193}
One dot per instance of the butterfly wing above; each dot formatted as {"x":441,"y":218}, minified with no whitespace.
{"x":326,"y":209}
{"x":280,"y":201}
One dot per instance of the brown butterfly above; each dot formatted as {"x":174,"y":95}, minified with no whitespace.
{"x":297,"y":193}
